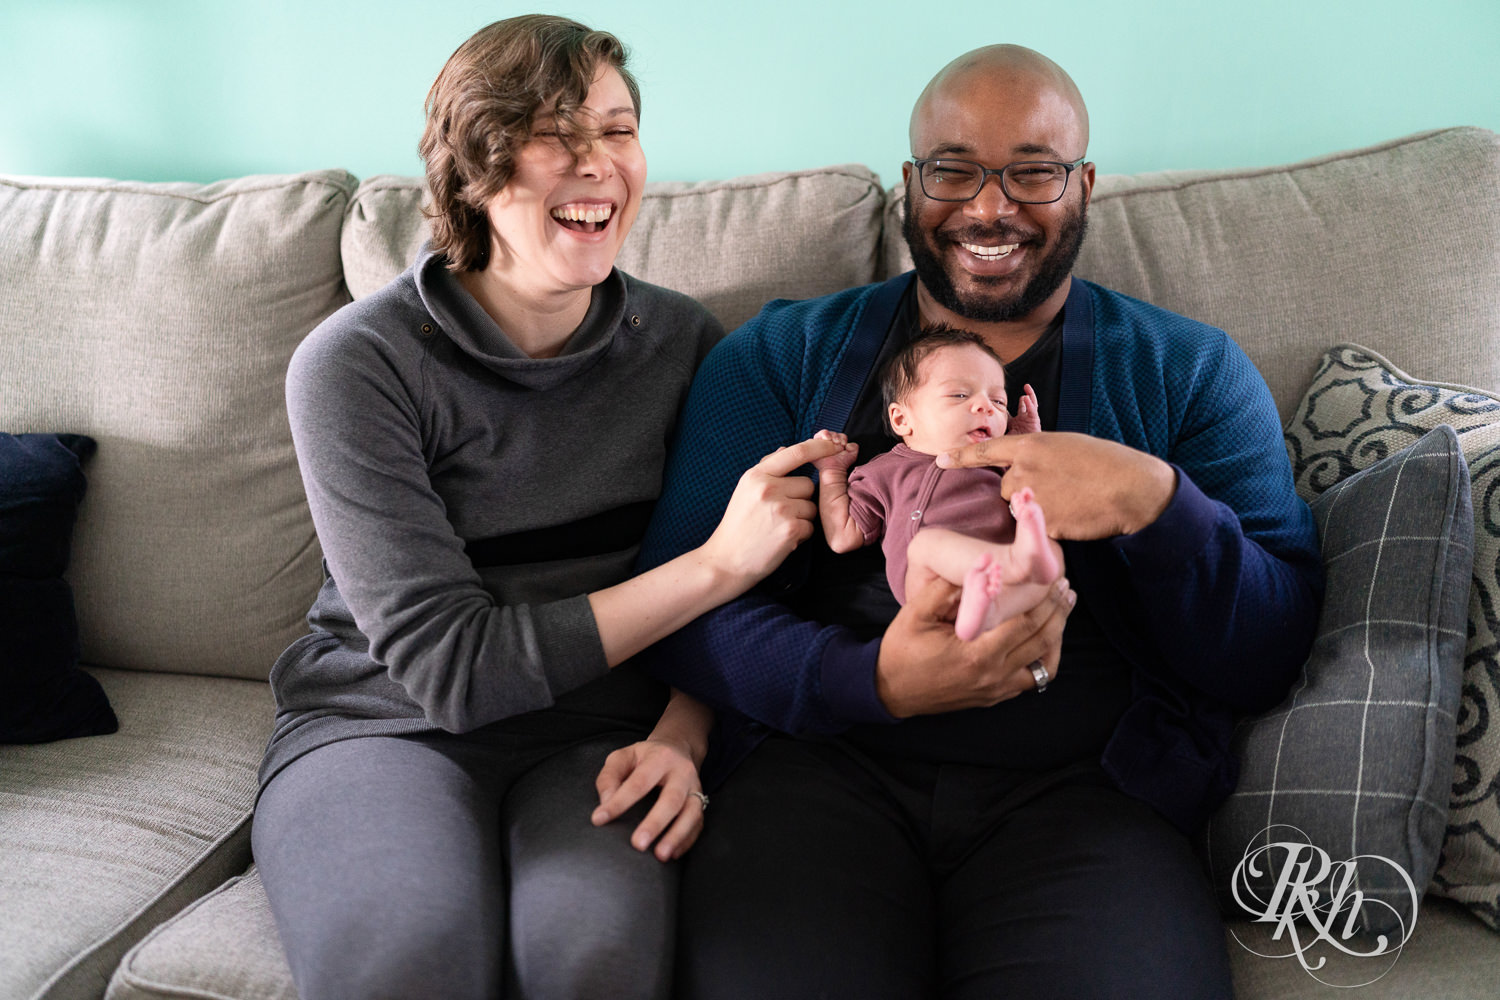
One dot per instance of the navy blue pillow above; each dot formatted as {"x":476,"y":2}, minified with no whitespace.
{"x":43,"y":694}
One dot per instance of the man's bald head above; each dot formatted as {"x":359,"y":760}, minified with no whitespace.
{"x":1000,"y":72}
{"x":988,"y":258}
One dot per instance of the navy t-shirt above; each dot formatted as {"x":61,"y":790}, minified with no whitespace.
{"x":1076,"y":715}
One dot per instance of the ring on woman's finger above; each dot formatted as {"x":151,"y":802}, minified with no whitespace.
{"x":702,"y":799}
{"x":1040,"y":675}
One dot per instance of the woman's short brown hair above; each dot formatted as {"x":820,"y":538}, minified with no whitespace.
{"x":480,"y":112}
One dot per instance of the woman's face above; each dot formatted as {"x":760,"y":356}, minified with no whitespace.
{"x":558,"y":223}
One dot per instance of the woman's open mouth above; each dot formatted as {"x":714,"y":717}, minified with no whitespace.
{"x":584,"y":217}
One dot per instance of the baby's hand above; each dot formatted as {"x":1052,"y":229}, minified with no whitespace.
{"x":839,"y":461}
{"x":1028,"y":418}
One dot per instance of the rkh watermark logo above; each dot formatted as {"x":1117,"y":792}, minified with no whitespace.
{"x":1313,"y":908}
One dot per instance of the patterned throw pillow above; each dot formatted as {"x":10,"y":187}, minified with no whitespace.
{"x":1359,"y":409}
{"x":1356,"y":761}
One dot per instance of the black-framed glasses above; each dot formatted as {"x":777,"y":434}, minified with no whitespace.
{"x":1026,"y":182}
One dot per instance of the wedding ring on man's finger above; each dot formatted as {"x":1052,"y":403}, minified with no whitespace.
{"x":1039,"y":673}
{"x":702,"y":799}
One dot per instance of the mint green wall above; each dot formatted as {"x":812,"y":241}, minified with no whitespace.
{"x":185,"y":90}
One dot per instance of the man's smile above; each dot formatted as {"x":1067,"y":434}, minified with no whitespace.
{"x":989,"y":252}
{"x":992,"y":252}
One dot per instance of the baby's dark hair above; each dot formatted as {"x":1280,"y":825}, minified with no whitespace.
{"x":902,"y":373}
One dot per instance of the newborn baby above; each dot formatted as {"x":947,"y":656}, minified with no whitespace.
{"x":943,"y":390}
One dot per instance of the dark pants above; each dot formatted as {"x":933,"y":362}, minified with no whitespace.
{"x":825,"y":873}
{"x":464,"y":866}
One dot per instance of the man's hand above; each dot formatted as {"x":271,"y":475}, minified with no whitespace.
{"x":1089,"y":487}
{"x":924,"y":668}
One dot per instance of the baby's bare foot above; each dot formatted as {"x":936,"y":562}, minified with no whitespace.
{"x":981,"y":584}
{"x":1032,"y":558}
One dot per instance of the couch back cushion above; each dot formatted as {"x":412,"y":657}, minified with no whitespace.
{"x":733,"y":245}
{"x":159,"y":319}
{"x":1393,"y":246}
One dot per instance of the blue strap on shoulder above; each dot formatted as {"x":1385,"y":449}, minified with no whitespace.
{"x":859,"y":357}
{"x":1076,"y":397}
{"x":854,"y":367}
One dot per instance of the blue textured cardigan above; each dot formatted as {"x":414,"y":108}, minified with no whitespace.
{"x":1214,"y":605}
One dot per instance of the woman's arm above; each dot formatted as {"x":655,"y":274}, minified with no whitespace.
{"x":769,"y":514}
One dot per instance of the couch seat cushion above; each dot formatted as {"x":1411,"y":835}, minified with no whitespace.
{"x":224,"y":945}
{"x":1450,"y":956}
{"x":102,"y":838}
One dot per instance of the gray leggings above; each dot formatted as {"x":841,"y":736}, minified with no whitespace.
{"x":395,"y":866}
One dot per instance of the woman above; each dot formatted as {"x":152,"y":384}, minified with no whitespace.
{"x":481,"y":442}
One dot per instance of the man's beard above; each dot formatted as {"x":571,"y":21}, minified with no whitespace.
{"x":994,"y":308}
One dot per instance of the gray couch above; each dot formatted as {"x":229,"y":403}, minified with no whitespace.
{"x":159,"y":319}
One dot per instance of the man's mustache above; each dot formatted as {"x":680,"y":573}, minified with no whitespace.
{"x":990,"y":235}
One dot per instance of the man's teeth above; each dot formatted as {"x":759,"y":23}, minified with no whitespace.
{"x":583,"y":213}
{"x":989,"y":253}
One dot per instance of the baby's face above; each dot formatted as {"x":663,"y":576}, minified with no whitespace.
{"x":959,"y":400}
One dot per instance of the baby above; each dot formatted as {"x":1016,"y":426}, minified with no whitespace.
{"x":943,"y":390}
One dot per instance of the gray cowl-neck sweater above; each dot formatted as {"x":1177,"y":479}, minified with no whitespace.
{"x":467,"y":497}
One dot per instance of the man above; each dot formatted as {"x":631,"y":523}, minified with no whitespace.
{"x":926,"y":821}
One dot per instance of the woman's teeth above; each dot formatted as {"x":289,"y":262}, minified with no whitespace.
{"x":583,"y":213}
{"x":989,"y":253}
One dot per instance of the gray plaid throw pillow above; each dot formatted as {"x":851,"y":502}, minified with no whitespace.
{"x":1359,"y":409}
{"x":1357,"y":760}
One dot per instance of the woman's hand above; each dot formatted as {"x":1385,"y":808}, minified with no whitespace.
{"x":630,"y":773}
{"x":770,"y":513}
